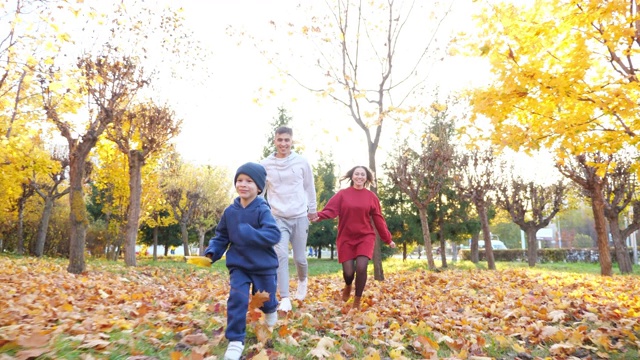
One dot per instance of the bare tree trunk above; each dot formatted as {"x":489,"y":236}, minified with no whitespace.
{"x":426,"y":236}
{"x":133,"y":212}
{"x":185,"y":237}
{"x":201,"y":233}
{"x":532,"y":246}
{"x":454,"y":252}
{"x":155,"y":243}
{"x":378,"y":271}
{"x":21,"y":204}
{"x":78,"y":219}
{"x":41,"y":235}
{"x":443,"y":241}
{"x":486,"y":234}
{"x":597,"y":205}
{"x":622,"y":252}
{"x":473,"y":247}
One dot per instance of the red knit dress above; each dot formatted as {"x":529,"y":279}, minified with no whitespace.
{"x":355,"y":209}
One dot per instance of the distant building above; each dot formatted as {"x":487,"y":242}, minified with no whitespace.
{"x":545,"y":238}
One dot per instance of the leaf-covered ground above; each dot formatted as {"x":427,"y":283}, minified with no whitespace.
{"x":178,"y":312}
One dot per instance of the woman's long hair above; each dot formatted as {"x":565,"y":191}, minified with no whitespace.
{"x":349,"y":175}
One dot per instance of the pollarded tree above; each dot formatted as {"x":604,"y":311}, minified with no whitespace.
{"x":450,"y":214}
{"x":619,"y":194}
{"x":565,"y":79}
{"x":184,"y":191}
{"x":531,"y":206}
{"x":476,"y":180}
{"x":108,"y":83}
{"x":590,"y":172}
{"x":214,"y":183}
{"x":421,"y":175}
{"x":368,"y":61}
{"x":141,"y":132}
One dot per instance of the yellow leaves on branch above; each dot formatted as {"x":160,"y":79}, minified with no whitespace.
{"x":563,"y":75}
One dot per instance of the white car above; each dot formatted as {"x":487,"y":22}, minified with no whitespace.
{"x":495,"y":245}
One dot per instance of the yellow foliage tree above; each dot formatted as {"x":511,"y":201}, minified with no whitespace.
{"x":19,"y":123}
{"x":143,"y":131}
{"x":564,"y":78}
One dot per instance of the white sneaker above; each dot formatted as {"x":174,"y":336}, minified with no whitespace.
{"x":234,"y":350}
{"x":301,"y":292}
{"x":271,"y":318}
{"x":285,"y":304}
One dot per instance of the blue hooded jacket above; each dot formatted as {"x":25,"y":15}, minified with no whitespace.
{"x":248,"y":236}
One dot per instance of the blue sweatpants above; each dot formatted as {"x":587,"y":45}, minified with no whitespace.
{"x":238,"y":302}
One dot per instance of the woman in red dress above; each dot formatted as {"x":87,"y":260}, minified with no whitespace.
{"x":355,"y":207}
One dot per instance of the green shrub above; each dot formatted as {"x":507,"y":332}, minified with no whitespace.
{"x":582,"y":241}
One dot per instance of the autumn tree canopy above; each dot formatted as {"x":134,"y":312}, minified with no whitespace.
{"x":564,"y":75}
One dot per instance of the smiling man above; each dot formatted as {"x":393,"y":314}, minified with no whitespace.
{"x":291,"y":193}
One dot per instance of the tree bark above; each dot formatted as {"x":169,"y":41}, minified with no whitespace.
{"x":136,"y":161}
{"x":486,"y":234}
{"x":622,"y":252}
{"x":473,"y":247}
{"x":201,"y":247}
{"x":41,"y":235}
{"x":532,"y":245}
{"x":185,"y":237}
{"x":426,"y":237}
{"x":597,"y":205}
{"x":78,"y":219}
{"x":378,"y":271}
{"x":21,"y":205}
{"x":155,"y":244}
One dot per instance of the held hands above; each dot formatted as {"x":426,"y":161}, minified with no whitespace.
{"x":313,"y":217}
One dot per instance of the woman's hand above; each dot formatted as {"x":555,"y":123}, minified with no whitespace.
{"x":392,"y":245}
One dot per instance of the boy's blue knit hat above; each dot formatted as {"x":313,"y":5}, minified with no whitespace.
{"x":255,"y":171}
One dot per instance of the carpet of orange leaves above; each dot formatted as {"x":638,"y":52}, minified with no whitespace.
{"x":419,"y":314}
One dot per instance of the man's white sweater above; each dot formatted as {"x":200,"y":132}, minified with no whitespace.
{"x":290,"y":189}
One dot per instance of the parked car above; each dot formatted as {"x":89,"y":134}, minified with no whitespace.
{"x":496,"y":244}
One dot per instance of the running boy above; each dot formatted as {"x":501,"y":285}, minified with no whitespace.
{"x":247,"y":232}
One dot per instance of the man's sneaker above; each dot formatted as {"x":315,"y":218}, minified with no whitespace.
{"x":271,"y":318}
{"x":285,"y":304}
{"x":301,"y":293}
{"x":234,"y":350}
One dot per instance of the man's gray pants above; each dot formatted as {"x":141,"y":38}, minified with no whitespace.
{"x":292,"y":231}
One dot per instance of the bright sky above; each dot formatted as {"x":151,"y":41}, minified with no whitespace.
{"x":222,"y":123}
